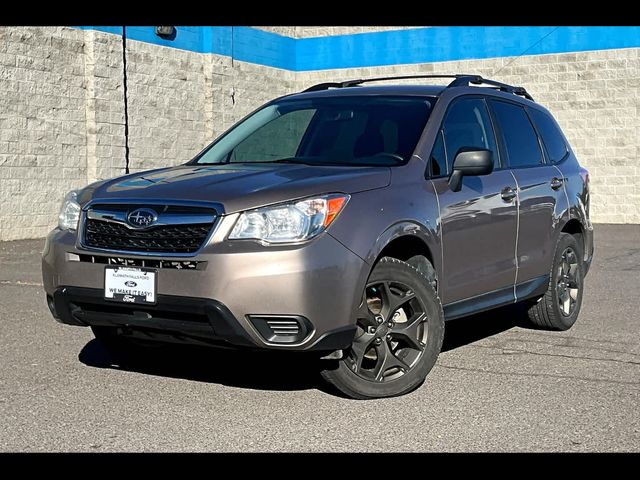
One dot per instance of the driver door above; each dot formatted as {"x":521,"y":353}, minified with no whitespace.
{"x":478,"y":223}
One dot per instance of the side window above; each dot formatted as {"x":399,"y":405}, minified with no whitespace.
{"x":438,"y":158}
{"x":520,"y":139}
{"x":468,"y":125}
{"x":551,"y":135}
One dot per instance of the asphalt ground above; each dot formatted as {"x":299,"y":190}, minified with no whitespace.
{"x":497,"y":386}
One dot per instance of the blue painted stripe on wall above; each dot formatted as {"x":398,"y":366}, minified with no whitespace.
{"x":419,"y":45}
{"x":439,"y":44}
{"x":243,"y":43}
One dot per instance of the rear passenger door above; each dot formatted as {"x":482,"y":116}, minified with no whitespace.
{"x":540,"y":190}
{"x":477,"y":223}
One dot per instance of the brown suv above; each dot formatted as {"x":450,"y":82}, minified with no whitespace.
{"x":345,"y":220}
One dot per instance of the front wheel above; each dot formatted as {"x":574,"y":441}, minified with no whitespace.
{"x":400,"y":328}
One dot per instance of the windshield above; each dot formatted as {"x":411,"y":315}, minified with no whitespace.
{"x":358,"y":130}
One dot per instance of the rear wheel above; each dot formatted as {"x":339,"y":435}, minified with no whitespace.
{"x":400,"y":328}
{"x":558,"y":309}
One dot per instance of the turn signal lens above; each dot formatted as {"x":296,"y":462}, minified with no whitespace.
{"x":334,"y":205}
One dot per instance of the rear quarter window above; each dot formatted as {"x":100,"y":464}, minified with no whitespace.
{"x":551,"y":134}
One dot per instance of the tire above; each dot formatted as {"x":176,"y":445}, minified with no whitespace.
{"x":399,"y":336}
{"x":559,"y":307}
{"x":424,"y":267}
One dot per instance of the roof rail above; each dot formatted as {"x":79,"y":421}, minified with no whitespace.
{"x":460,"y":80}
{"x":478,"y":80}
{"x":353,"y":83}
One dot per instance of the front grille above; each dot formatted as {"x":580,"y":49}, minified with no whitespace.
{"x":181,"y":229}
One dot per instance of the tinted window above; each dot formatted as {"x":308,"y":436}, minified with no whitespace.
{"x":468,"y":125}
{"x":438,"y":159}
{"x":353,"y":130}
{"x":551,"y":135}
{"x":519,"y":137}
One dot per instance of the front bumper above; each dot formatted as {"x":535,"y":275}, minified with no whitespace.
{"x":320,"y":281}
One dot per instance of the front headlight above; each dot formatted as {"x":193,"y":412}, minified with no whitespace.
{"x":70,"y":212}
{"x":289,"y":222}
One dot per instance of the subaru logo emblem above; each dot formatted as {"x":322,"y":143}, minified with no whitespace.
{"x":142,"y":217}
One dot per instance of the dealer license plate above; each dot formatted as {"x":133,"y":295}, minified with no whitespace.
{"x":130,"y":285}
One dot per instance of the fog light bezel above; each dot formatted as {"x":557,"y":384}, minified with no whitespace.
{"x":261,"y":325}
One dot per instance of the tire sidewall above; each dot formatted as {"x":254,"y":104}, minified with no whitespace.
{"x":395,"y":270}
{"x":565,"y":241}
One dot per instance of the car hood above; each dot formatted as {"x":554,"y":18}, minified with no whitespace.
{"x":239,"y":186}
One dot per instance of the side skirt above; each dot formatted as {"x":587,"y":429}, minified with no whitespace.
{"x":496,"y":298}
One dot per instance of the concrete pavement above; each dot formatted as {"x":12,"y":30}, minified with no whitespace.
{"x":497,"y":386}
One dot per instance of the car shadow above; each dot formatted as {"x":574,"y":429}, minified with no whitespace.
{"x":271,"y":370}
{"x":464,"y":331}
{"x":243,"y":369}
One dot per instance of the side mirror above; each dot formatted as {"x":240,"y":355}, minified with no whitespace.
{"x":470,"y":161}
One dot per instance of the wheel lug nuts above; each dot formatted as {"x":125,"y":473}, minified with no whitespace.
{"x":380,"y":319}
{"x":378,"y":341}
{"x":388,"y":337}
{"x":390,"y":324}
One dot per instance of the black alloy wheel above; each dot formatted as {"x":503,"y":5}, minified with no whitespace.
{"x":399,"y":333}
{"x":392,"y":332}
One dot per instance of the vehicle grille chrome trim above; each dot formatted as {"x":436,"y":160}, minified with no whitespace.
{"x":110,"y":232}
{"x":164,"y":219}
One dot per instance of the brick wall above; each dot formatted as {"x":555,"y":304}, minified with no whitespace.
{"x":180,"y":101}
{"x":62,"y":111}
{"x":43,"y":134}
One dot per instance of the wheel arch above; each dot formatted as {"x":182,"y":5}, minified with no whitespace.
{"x":401,"y":240}
{"x":574,"y":227}
{"x":405,"y":240}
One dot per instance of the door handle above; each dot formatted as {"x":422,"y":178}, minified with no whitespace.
{"x":556,"y":183}
{"x":508,"y":194}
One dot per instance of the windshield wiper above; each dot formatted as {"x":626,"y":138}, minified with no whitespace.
{"x":321,"y":163}
{"x":280,"y":160}
{"x":293,"y":160}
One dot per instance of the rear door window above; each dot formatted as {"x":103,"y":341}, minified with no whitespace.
{"x":519,"y":137}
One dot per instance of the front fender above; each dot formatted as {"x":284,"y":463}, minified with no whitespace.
{"x":375,"y":218}
{"x":403,"y":229}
